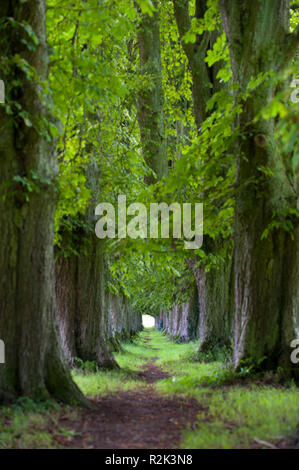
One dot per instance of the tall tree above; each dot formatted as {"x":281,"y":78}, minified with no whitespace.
{"x":151,"y":98}
{"x":266,"y":267}
{"x":35,"y":365}
{"x":81,"y":288}
{"x":215,"y":316}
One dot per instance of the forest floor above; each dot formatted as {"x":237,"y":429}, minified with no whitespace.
{"x":160,"y":398}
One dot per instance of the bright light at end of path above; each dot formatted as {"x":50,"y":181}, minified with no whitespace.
{"x":148,"y":321}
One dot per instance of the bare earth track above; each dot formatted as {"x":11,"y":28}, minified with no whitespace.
{"x":141,"y":419}
{"x":134,"y":419}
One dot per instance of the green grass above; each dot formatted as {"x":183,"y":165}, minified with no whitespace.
{"x":27,"y":424}
{"x":238,"y":415}
{"x":131,"y":360}
{"x":233,"y":415}
{"x":104,"y":382}
{"x":234,"y":412}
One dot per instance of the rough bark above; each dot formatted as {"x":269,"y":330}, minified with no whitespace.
{"x":182,"y":321}
{"x":81,"y":292}
{"x":92,"y":321}
{"x":214,"y":294}
{"x":150,"y":100}
{"x":266,"y":271}
{"x":35,"y":365}
{"x":66,"y":300}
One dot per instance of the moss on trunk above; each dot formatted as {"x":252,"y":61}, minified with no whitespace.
{"x":35,"y":365}
{"x":266,"y":305}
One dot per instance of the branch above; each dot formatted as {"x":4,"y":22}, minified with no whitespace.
{"x":181,"y":13}
{"x":292,"y":44}
{"x":200,"y":8}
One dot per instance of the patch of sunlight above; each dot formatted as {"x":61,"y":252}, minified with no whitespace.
{"x":148,"y":321}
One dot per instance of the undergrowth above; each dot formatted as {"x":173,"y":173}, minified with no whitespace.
{"x":30,"y":424}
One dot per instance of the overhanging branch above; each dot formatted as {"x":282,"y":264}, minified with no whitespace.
{"x":292,"y":44}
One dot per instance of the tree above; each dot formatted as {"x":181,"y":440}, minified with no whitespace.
{"x":35,"y":365}
{"x":150,"y":100}
{"x":202,"y":87}
{"x":266,"y":253}
{"x":213,"y":284}
{"x":89,"y":150}
{"x":88,"y":283}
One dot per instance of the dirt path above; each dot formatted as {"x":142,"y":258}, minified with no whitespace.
{"x":152,"y":373}
{"x":134,"y":419}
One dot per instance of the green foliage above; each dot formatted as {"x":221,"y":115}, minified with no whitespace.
{"x":94,"y":80}
{"x":285,"y":220}
{"x":14,"y":68}
{"x":86,"y":367}
{"x":232,"y":412}
{"x":216,"y":353}
{"x":237,"y":416}
{"x":73,"y":237}
{"x":95,"y":109}
{"x":26,"y":404}
{"x":208,"y":23}
{"x":94,"y":51}
{"x":25,"y":424}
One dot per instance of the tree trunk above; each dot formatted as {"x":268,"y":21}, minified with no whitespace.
{"x":266,"y":270}
{"x":35,"y":365}
{"x":150,"y":101}
{"x":92,"y":323}
{"x":84,"y":313}
{"x":215,"y":306}
{"x":81,"y":293}
{"x":196,"y":53}
{"x":182,"y":321}
{"x":66,"y":300}
{"x":215,"y":323}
